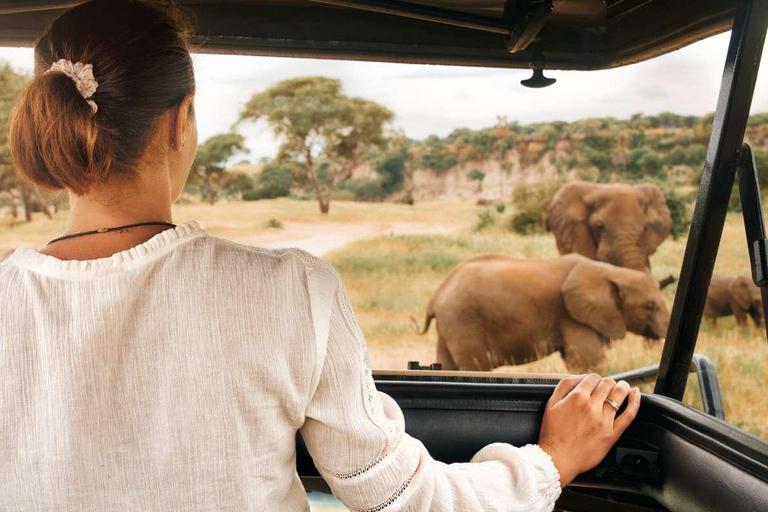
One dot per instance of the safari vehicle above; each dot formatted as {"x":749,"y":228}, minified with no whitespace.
{"x":674,"y":457}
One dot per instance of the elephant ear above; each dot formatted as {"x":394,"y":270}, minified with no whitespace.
{"x":658,"y":220}
{"x":740,"y":289}
{"x":592,"y":297}
{"x":567,"y":218}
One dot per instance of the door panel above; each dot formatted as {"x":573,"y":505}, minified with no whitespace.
{"x":672,"y":457}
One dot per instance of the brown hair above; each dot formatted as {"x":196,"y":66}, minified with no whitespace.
{"x":140,"y":57}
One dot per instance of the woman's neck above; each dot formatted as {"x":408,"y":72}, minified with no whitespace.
{"x":113,"y":205}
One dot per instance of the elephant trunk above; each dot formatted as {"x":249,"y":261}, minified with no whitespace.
{"x":628,"y":253}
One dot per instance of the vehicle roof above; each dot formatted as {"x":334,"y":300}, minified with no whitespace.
{"x":560,"y":34}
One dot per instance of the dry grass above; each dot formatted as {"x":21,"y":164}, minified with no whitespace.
{"x":392,"y":278}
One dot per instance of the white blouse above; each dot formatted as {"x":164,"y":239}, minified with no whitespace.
{"x":173,"y":377}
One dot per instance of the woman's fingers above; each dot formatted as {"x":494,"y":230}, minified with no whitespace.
{"x":588,"y":385}
{"x":624,"y":420}
{"x":618,"y":394}
{"x":603,"y":389}
{"x":564,"y":387}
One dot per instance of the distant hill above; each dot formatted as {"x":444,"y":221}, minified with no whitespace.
{"x":487,"y":163}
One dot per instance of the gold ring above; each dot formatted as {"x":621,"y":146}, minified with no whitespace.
{"x":612,"y":404}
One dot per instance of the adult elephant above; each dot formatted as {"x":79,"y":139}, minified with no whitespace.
{"x":616,"y":223}
{"x":733,"y":295}
{"x":495,"y":310}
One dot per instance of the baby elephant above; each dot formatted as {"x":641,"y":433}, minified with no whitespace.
{"x":494,"y":310}
{"x":733,"y":295}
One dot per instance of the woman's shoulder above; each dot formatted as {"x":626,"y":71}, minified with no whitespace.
{"x":225,"y":253}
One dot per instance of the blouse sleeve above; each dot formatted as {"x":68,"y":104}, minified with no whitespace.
{"x":356,"y":435}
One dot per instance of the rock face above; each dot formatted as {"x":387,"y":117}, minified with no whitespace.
{"x":456,"y":183}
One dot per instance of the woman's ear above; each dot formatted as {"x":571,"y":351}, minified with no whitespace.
{"x":181,"y":122}
{"x":593,"y":298}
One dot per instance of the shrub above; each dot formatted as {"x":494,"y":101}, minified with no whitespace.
{"x":527,"y":223}
{"x":679,"y":210}
{"x":644,"y":162}
{"x":274,"y":181}
{"x":531,"y":201}
{"x":485,"y":218}
{"x":365,"y":189}
{"x":406,"y":199}
{"x":273,"y":223}
{"x":501,"y":207}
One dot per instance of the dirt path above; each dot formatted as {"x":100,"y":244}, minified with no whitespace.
{"x":322,"y":238}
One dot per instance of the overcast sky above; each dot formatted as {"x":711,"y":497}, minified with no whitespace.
{"x":437,"y":99}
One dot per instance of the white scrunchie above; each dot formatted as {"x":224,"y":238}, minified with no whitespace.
{"x":82,"y":75}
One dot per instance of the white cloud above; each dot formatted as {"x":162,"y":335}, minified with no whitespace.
{"x":438,"y":99}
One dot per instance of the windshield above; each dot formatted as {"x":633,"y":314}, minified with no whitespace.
{"x":476,"y":224}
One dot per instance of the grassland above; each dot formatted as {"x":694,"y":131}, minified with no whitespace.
{"x":391,"y":277}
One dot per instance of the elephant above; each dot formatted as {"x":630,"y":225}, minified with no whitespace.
{"x":615,"y":223}
{"x":734,"y":295}
{"x":495,"y":310}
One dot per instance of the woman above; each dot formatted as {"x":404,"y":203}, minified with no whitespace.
{"x":148,"y":366}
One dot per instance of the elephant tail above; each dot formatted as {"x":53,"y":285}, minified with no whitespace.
{"x":427,"y":322}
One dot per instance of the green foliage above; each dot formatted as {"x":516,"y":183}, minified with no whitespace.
{"x":273,"y":223}
{"x":437,"y":156}
{"x":531,"y":201}
{"x":209,"y":178}
{"x":485,"y":219}
{"x":406,"y":199}
{"x":11,"y":84}
{"x":365,"y":189}
{"x":476,"y":175}
{"x":680,"y":211}
{"x":501,"y":208}
{"x":391,"y":169}
{"x":274,"y":181}
{"x":527,"y":223}
{"x":644,"y":162}
{"x":316,"y":121}
{"x":216,"y":151}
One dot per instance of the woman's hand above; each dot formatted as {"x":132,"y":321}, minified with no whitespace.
{"x":580,"y":427}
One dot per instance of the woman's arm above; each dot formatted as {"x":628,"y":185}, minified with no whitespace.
{"x":356,"y":435}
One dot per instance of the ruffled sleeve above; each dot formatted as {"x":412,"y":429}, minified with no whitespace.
{"x":357,"y":439}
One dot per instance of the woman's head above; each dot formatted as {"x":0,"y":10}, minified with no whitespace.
{"x":141,"y":62}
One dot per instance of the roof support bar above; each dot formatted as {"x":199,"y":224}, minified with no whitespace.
{"x":752,"y":208}
{"x":723,"y":153}
{"x":427,"y":13}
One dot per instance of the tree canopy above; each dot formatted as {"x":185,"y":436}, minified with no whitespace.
{"x":317,"y":123}
{"x":208,"y":172}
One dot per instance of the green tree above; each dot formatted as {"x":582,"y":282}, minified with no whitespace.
{"x":644,"y":162}
{"x":274,"y":181}
{"x":208,"y":172}
{"x":317,"y":121}
{"x":11,"y":84}
{"x":478,"y":176}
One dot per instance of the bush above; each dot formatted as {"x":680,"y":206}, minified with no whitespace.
{"x":274,"y":181}
{"x":485,"y":218}
{"x":365,"y":189}
{"x":501,"y":208}
{"x":679,"y":210}
{"x":406,"y":199}
{"x":527,"y":223}
{"x":644,"y":162}
{"x":273,"y":223}
{"x":531,"y":201}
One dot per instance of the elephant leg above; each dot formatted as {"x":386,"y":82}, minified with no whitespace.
{"x":741,"y":317}
{"x":582,"y":347}
{"x":444,"y":356}
{"x":467,"y":346}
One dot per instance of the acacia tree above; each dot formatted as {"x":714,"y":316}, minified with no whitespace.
{"x":208,"y":170}
{"x":11,"y":84}
{"x":317,"y":123}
